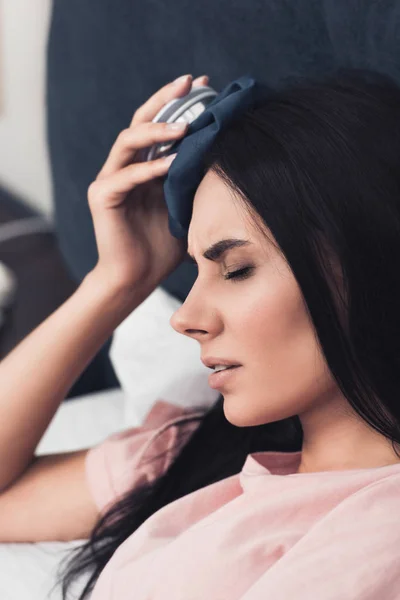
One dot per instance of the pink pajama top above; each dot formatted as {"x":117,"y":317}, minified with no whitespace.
{"x":267,"y":533}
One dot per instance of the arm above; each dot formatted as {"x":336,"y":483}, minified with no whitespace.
{"x":136,"y":252}
{"x":48,"y":497}
{"x":37,"y":374}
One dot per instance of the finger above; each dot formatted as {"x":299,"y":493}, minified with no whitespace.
{"x":174,"y":89}
{"x":203,"y":80}
{"x":125,"y":147}
{"x":110,"y":192}
{"x":130,"y":140}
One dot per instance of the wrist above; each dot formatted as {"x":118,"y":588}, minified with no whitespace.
{"x":117,"y":296}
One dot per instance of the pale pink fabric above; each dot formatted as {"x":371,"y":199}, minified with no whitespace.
{"x":267,"y":533}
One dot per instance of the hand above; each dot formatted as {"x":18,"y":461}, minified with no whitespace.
{"x":127,"y":202}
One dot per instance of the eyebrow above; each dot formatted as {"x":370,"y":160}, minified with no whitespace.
{"x":217,"y":250}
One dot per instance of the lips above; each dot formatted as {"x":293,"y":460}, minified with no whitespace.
{"x":220,"y":378}
{"x":212,"y":361}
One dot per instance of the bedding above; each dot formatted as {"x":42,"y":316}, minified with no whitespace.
{"x":152,"y":362}
{"x":27,"y":571}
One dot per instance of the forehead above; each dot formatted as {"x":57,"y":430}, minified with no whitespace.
{"x":217,"y":213}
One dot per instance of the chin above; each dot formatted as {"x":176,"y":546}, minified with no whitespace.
{"x":235,"y":412}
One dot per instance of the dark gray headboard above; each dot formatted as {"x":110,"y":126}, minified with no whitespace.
{"x":106,"y":57}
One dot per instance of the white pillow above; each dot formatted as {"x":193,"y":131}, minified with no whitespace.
{"x":28,"y":570}
{"x":153,"y":362}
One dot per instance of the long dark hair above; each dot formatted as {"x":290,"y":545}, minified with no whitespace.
{"x":319,"y":162}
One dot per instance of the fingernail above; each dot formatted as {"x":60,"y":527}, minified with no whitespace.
{"x":169,"y":159}
{"x":181,"y":79}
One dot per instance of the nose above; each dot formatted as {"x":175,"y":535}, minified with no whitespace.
{"x":193,"y":318}
{"x":182,"y":323}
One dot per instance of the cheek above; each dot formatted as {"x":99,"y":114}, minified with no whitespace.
{"x":285,"y":369}
{"x":270,"y":315}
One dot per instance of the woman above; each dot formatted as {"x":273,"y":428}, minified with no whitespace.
{"x":288,"y":487}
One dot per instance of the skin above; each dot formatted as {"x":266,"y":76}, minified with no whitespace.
{"x":261,"y":323}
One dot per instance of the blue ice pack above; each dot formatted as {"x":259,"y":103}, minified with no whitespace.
{"x":186,"y":171}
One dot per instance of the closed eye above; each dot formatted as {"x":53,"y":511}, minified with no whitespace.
{"x":239,"y":274}
{"x":235,"y":275}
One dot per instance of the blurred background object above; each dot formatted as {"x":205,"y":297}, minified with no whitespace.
{"x":34,"y":279}
{"x":8,"y":286}
{"x":24,"y":160}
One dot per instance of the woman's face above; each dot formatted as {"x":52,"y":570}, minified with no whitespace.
{"x":259,"y":321}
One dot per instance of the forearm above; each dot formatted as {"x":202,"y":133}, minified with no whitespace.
{"x":36,"y":376}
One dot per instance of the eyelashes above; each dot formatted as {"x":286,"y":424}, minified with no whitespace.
{"x":236,"y":276}
{"x":239,"y":274}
